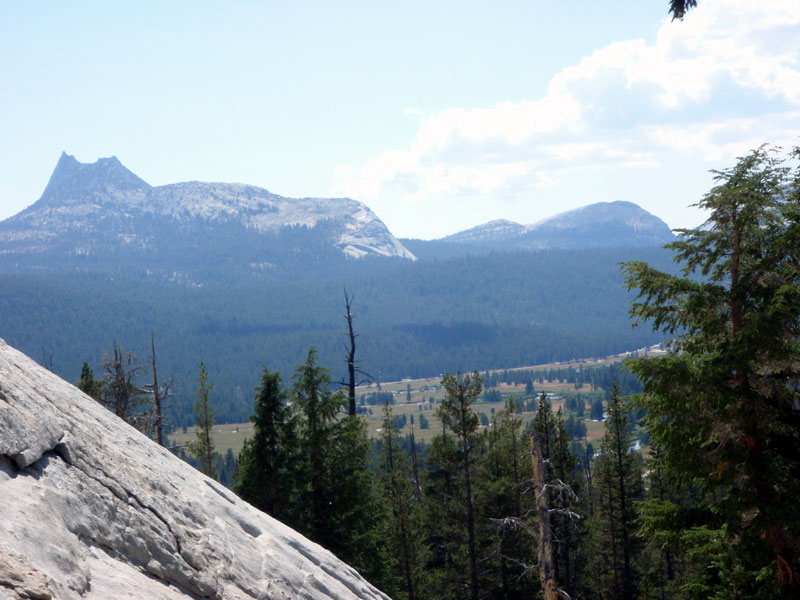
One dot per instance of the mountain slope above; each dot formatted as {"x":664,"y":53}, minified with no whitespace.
{"x":102,"y":217}
{"x":600,"y":225}
{"x":92,"y":509}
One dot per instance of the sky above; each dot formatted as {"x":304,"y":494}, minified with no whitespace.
{"x":439,"y":116}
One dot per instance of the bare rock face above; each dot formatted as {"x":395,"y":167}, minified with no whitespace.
{"x":91,"y":508}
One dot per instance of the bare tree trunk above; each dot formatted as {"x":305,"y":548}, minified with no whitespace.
{"x":156,"y":397}
{"x":351,"y":356}
{"x":587,"y":466}
{"x":547,"y":561}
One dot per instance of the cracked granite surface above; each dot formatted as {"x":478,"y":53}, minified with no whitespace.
{"x":93,"y":509}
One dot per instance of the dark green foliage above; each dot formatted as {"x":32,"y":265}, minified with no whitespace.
{"x":377,"y":398}
{"x":226,"y":468}
{"x":679,"y":8}
{"x":319,"y":408}
{"x":576,"y":428}
{"x":417,"y":319}
{"x":618,"y":486}
{"x":505,"y":547}
{"x":423,"y":421}
{"x":269,"y":463}
{"x":120,"y":392}
{"x":400,"y":421}
{"x":492,"y":396}
{"x":357,"y":517}
{"x":344,"y":512}
{"x":88,"y":384}
{"x":597,"y":410}
{"x":452,"y":569}
{"x":723,"y":405}
{"x":403,"y":527}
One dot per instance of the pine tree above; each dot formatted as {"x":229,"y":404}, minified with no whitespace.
{"x":269,"y":462}
{"x":398,"y":489}
{"x":618,"y":482}
{"x":449,"y":509}
{"x":88,"y":384}
{"x":503,"y":473}
{"x":723,"y":403}
{"x":319,"y":408}
{"x":345,"y":510}
{"x":203,"y":447}
{"x":457,"y":414}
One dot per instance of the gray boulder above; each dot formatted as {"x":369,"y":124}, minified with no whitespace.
{"x":91,"y":508}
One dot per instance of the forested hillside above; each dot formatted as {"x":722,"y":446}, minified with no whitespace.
{"x":414,"y":319}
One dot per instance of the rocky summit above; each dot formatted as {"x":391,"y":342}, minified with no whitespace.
{"x":102,"y":217}
{"x":93,"y":509}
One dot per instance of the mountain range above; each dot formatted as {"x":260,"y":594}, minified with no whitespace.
{"x":238,"y":277}
{"x":102,"y":217}
{"x":600,"y":225}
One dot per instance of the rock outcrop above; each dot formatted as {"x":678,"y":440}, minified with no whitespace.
{"x":91,"y":508}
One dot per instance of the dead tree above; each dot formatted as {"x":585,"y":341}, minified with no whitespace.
{"x":545,"y":545}
{"x":352,"y":364}
{"x":542,"y":530}
{"x":120,"y":394}
{"x":160,"y":395}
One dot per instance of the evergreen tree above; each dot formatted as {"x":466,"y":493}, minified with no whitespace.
{"x":203,"y":447}
{"x":457,"y":414}
{"x":346,"y":515}
{"x":444,"y":516}
{"x":618,"y":483}
{"x":398,"y":489}
{"x":665,"y":571}
{"x":723,"y":404}
{"x":357,"y":516}
{"x":597,"y":409}
{"x":500,"y":501}
{"x":269,"y":463}
{"x":319,"y":408}
{"x":449,"y":509}
{"x":88,"y":384}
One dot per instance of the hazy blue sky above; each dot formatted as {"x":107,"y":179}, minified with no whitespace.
{"x":438,"y":115}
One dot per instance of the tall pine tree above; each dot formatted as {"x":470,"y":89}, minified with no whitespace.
{"x":268,"y":475}
{"x":723,"y":404}
{"x":618,"y":481}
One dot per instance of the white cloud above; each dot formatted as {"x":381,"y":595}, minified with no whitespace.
{"x":722,"y":81}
